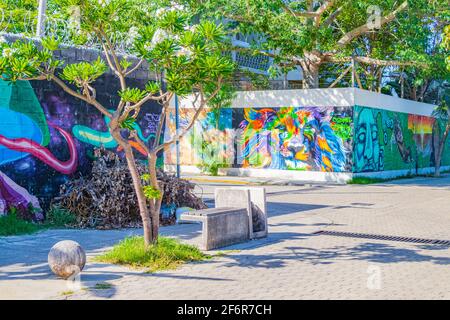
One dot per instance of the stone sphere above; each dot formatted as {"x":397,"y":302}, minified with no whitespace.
{"x":66,"y":258}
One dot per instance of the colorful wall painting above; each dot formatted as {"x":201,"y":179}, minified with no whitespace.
{"x":47,"y":136}
{"x":327,"y":139}
{"x":295,"y":138}
{"x":211,"y":139}
{"x":387,"y":140}
{"x":287,"y":138}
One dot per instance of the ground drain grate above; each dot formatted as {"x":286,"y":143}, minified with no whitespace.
{"x":382,"y":237}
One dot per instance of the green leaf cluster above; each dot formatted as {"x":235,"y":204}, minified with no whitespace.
{"x":24,"y":59}
{"x":84,"y":73}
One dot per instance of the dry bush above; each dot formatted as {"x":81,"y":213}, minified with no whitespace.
{"x":106,"y":199}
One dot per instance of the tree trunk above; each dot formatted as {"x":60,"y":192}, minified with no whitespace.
{"x":149,"y":236}
{"x":155,"y":205}
{"x":437,"y":166}
{"x":310,"y":66}
{"x":310,"y":76}
{"x":440,"y":151}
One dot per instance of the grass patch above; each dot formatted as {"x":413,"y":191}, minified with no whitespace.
{"x":367,"y":180}
{"x":102,"y":286}
{"x":364,"y":180}
{"x":167,"y":254}
{"x":224,"y":253}
{"x":11,"y":224}
{"x":56,"y":218}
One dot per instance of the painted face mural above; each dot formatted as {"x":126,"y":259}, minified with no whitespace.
{"x":291,"y":138}
{"x":368,"y":155}
{"x":387,"y":140}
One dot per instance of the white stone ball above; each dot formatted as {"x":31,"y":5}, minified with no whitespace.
{"x":66,"y":258}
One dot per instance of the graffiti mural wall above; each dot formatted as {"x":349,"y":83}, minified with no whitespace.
{"x":316,"y":139}
{"x":47,"y":137}
{"x":285,"y":138}
{"x":293,"y":138}
{"x":386,"y":140}
{"x":209,"y":141}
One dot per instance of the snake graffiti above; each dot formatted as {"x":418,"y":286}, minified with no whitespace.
{"x":47,"y":137}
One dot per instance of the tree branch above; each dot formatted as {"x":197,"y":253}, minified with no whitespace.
{"x":349,"y":36}
{"x":321,"y":10}
{"x":332,"y":17}
{"x":340,"y":77}
{"x":134,"y":68}
{"x":75,"y":94}
{"x":203,"y":103}
{"x":161,"y":121}
{"x":378,"y":62}
{"x":298,"y":14}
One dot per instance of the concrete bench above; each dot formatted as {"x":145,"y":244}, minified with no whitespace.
{"x":253,"y":199}
{"x":220,"y":226}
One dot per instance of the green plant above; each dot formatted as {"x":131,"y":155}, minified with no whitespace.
{"x":12,"y":224}
{"x":212,"y":167}
{"x":184,"y":54}
{"x":67,"y":293}
{"x":102,"y":286}
{"x":367,"y":180}
{"x":60,"y":217}
{"x":151,"y":192}
{"x":166,"y":254}
{"x":364,"y":180}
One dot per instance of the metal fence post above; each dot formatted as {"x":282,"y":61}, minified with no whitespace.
{"x":177,"y":128}
{"x":40,"y":27}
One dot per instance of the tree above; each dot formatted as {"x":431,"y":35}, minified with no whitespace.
{"x":186,"y":59}
{"x":311,"y":33}
{"x":442,"y":112}
{"x":446,"y":45}
{"x":17,"y":15}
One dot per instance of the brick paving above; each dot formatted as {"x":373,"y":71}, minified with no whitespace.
{"x":292,"y":263}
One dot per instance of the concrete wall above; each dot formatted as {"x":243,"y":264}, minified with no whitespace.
{"x":388,"y":143}
{"x":314,"y":135}
{"x":72,"y":54}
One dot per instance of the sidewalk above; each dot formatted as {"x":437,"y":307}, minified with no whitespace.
{"x":237,"y":180}
{"x":24,"y":273}
{"x":292,"y":263}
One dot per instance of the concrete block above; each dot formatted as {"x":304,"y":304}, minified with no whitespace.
{"x":257,"y":206}
{"x":222,"y":230}
{"x":221,"y":227}
{"x":239,"y":198}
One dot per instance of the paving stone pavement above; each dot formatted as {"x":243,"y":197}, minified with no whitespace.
{"x":292,"y":263}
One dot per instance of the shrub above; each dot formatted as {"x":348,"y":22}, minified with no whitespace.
{"x":105,"y":199}
{"x":12,"y":224}
{"x":60,"y":217}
